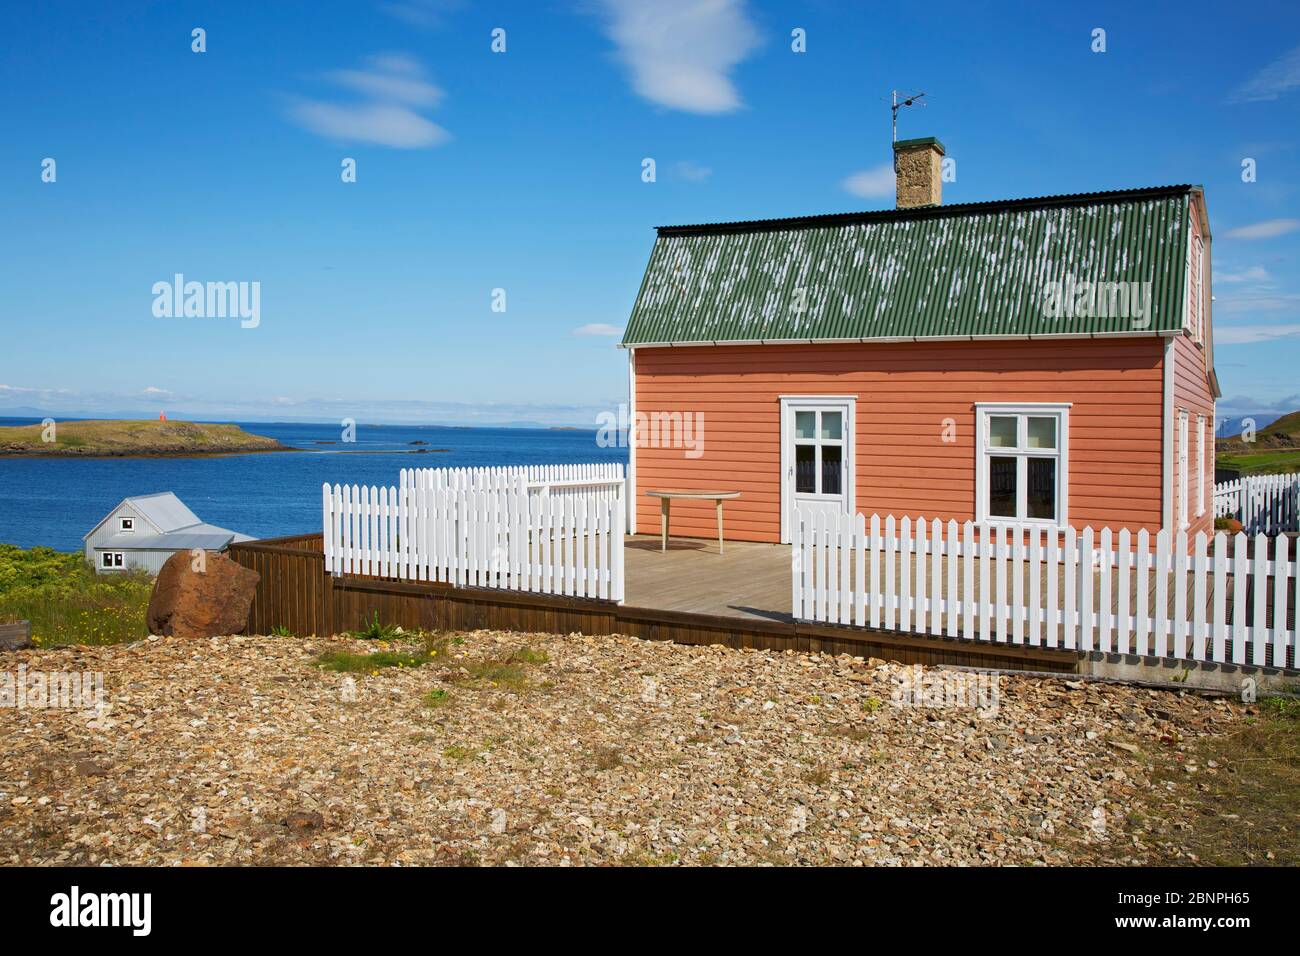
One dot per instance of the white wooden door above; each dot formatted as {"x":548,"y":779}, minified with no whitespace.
{"x":816,"y":457}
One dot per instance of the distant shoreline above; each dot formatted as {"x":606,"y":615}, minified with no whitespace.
{"x":145,"y":453}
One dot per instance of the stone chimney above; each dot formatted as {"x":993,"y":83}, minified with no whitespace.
{"x":917,"y":172}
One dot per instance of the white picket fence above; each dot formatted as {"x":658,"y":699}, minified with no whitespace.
{"x":568,"y":480}
{"x":548,"y":532}
{"x":1125,"y":593}
{"x":1262,"y":503}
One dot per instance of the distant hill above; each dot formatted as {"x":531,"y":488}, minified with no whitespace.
{"x":1227,"y":426}
{"x":1284,"y":431}
{"x":114,"y":439}
{"x":1275,"y":450}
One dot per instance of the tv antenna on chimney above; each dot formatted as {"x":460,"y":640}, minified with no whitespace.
{"x":908,"y":100}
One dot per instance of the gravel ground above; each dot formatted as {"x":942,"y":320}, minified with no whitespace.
{"x":550,"y":749}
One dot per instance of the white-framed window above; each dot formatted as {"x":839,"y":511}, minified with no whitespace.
{"x":1201,"y":483}
{"x":125,"y":525}
{"x":111,"y":559}
{"x":1183,"y":468}
{"x":1021,"y":463}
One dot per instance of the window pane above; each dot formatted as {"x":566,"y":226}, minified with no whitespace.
{"x":1042,"y":488}
{"x":805,"y":464}
{"x":805,"y":424}
{"x":831,"y":425}
{"x":831,"y":460}
{"x":1002,"y":487}
{"x":1042,"y":433}
{"x":1002,"y":431}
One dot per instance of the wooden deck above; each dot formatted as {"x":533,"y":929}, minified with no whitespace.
{"x":749,"y":581}
{"x":752,"y":581}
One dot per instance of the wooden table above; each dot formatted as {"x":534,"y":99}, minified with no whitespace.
{"x":666,"y":497}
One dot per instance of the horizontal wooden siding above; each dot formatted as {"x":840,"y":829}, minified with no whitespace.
{"x":905,"y":393}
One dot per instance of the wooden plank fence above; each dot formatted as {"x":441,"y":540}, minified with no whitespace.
{"x":1079,"y":591}
{"x":1262,"y":503}
{"x":489,"y":528}
{"x":295,"y":592}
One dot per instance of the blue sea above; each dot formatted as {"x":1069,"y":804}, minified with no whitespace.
{"x":54,"y":501}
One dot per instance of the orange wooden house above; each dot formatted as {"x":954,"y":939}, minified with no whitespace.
{"x":1037,"y":362}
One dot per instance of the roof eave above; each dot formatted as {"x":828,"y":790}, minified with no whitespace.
{"x":886,"y":340}
{"x":929,"y":212}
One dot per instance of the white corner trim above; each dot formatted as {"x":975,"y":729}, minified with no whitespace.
{"x":1167,"y":440}
{"x":631,"y":441}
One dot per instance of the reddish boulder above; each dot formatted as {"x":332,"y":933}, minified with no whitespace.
{"x":207,"y":598}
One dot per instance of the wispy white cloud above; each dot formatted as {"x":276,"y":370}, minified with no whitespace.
{"x":394,"y":86}
{"x":1279,"y":77}
{"x":385,"y":124}
{"x":1258,"y":302}
{"x":692,"y":171}
{"x":420,"y":13}
{"x":392,"y":76}
{"x":873,"y":183}
{"x":155,"y":392}
{"x":1268,"y":229}
{"x":597,"y":328}
{"x":681,"y":53}
{"x":1253,"y":274}
{"x":30,"y":402}
{"x":1247,"y":405}
{"x":1247,"y":334}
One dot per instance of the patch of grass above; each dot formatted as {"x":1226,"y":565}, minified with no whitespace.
{"x":608,"y":758}
{"x":67,"y":602}
{"x":281,"y":631}
{"x":1283,"y":460}
{"x":437,"y":698}
{"x":856,"y":734}
{"x":345,"y":663}
{"x":507,"y":671}
{"x":374,"y":631}
{"x":1240,"y":806}
{"x":457,"y":752}
{"x":817,"y":776}
{"x":1281,"y":707}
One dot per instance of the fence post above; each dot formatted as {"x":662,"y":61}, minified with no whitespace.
{"x":620,"y":525}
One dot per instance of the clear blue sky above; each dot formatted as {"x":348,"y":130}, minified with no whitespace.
{"x":522,"y":171}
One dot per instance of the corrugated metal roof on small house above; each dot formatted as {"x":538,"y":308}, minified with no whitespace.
{"x":969,"y":270}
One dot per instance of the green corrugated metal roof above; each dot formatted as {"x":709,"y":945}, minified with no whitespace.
{"x":978,"y":269}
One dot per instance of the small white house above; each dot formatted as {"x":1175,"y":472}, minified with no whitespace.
{"x":144,"y":531}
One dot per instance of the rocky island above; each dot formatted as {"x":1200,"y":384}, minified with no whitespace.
{"x":127,"y":439}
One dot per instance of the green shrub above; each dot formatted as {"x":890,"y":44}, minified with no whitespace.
{"x":67,"y":602}
{"x":374,"y":631}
